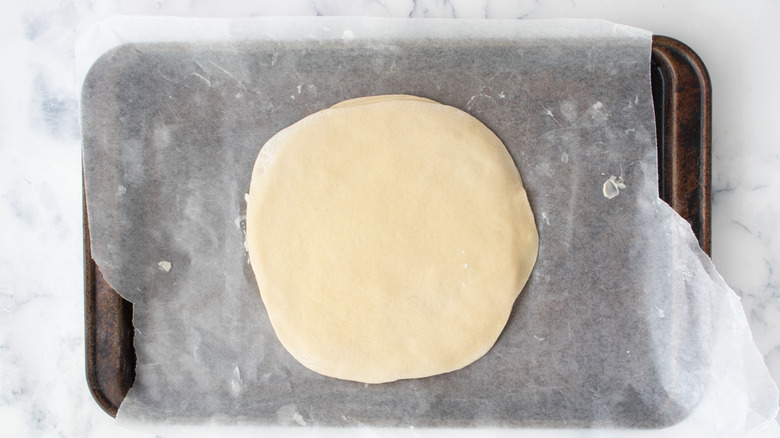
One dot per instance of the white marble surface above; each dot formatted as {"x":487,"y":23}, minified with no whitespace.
{"x":43,"y":390}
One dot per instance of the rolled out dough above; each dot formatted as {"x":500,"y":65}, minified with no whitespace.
{"x":390,"y":237}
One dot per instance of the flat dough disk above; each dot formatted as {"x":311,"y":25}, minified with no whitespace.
{"x":390,"y":237}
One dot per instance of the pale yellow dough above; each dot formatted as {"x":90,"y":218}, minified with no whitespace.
{"x":390,"y":237}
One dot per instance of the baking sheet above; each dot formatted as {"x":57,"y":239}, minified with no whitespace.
{"x":609,"y":331}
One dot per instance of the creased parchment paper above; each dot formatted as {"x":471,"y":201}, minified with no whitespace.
{"x":624,"y":322}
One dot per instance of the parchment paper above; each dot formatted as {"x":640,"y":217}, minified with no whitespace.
{"x":624,"y":322}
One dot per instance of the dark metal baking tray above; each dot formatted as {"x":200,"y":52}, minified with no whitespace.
{"x":682,"y":99}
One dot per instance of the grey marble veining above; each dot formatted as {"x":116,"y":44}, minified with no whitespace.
{"x":42,"y":386}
